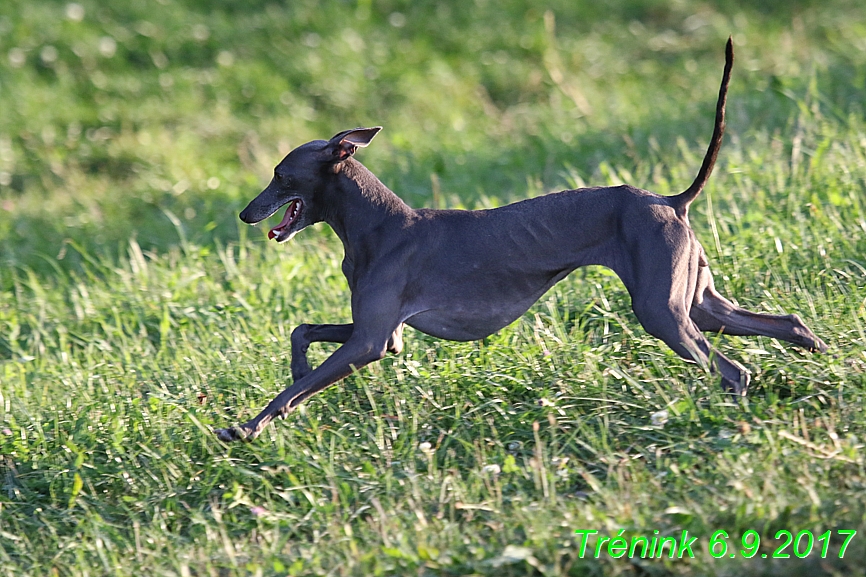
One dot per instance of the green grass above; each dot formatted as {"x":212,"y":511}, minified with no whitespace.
{"x":136,"y":313}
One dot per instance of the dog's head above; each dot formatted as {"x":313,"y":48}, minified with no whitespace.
{"x":299,"y":178}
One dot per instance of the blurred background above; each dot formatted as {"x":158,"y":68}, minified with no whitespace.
{"x":159,"y":119}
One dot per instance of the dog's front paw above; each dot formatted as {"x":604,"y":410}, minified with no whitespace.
{"x":232,"y":434}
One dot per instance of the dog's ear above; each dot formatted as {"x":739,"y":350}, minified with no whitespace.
{"x":344,"y":144}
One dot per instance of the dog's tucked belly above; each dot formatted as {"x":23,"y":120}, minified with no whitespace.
{"x":444,"y":324}
{"x":472,"y":314}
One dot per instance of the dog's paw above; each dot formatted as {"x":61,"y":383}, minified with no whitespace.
{"x":818,"y":346}
{"x":231,"y":434}
{"x":738,"y":388}
{"x":804,"y":336}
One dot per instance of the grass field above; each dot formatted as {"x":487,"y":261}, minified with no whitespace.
{"x":137,"y":312}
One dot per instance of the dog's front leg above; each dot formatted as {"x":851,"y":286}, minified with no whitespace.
{"x":306,"y":334}
{"x":361,"y":349}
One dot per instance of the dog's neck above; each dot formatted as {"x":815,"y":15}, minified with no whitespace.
{"x":357,"y":203}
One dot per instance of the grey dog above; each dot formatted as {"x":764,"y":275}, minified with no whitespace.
{"x":463,"y":275}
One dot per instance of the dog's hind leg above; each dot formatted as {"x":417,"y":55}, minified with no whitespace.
{"x":662,"y":285}
{"x":673,"y":325}
{"x":712,"y":312}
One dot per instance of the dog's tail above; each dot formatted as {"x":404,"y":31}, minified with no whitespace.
{"x":681,"y":201}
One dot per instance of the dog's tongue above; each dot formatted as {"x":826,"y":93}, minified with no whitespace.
{"x":287,"y":218}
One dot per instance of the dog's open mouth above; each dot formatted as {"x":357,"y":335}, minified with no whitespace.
{"x":282,"y":231}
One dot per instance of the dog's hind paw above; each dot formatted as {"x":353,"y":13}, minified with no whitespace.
{"x":737,"y":388}
{"x":818,"y":346}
